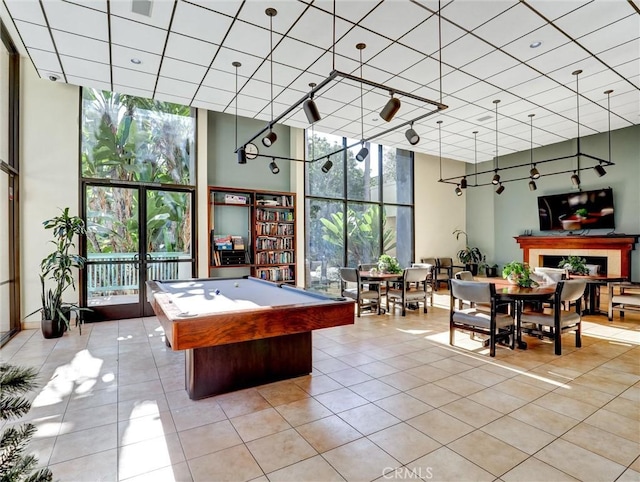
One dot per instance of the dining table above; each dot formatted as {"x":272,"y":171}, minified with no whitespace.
{"x":592,"y":293}
{"x":367,"y":276}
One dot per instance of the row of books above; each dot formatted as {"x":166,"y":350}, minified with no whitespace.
{"x":227,"y":242}
{"x":274,"y":257}
{"x":263,"y":229}
{"x":274,"y":243}
{"x":281,"y":273}
{"x":275,"y":201}
{"x":262,"y":215}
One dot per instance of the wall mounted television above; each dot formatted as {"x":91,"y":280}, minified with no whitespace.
{"x":576,"y":211}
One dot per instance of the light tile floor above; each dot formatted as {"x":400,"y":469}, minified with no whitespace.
{"x":388,"y":399}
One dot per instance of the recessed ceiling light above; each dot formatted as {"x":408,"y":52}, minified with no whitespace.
{"x":136,"y":61}
{"x":536,"y":44}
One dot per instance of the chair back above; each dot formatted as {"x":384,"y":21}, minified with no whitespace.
{"x":415,"y":275}
{"x":473,"y":291}
{"x":464,"y":275}
{"x":367,"y":266}
{"x":445,"y":262}
{"x":349,"y":275}
{"x":571,"y":290}
{"x":431,"y":261}
{"x":550,"y":275}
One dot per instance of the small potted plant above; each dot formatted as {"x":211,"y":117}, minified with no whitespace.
{"x":389,"y":264}
{"x":470,"y":256}
{"x":491,"y":271}
{"x":574,"y":264}
{"x":518,"y":273}
{"x":56,"y":274}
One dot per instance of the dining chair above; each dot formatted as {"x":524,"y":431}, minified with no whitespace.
{"x":352,"y":287}
{"x":478,"y":319}
{"x":568,"y":293}
{"x":414,"y":288}
{"x":466,"y":276}
{"x":369,"y":267}
{"x":432,"y":270}
{"x":623,"y":296}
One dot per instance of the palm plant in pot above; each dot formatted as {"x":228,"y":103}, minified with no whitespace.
{"x":470,"y":256}
{"x":56,"y":275}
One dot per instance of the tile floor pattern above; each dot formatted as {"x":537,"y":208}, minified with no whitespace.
{"x":388,"y":399}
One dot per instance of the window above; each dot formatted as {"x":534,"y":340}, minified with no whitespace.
{"x":357,"y":210}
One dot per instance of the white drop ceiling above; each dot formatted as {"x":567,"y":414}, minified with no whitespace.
{"x":475,"y":52}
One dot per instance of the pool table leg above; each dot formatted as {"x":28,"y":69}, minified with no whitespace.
{"x":224,"y":368}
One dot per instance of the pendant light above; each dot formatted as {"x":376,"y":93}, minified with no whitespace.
{"x":598,"y":168}
{"x":496,"y":176}
{"x":458,"y":191}
{"x":411,"y":135}
{"x":533,"y":172}
{"x":475,"y":157}
{"x":575,"y":178}
{"x":326,"y":167}
{"x":273,"y":166}
{"x":363,"y":152}
{"x":242,"y":154}
{"x":271,"y":137}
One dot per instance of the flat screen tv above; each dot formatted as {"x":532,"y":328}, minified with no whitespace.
{"x":576,"y":211}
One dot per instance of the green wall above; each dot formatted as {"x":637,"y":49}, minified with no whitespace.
{"x":493,"y":220}
{"x":223,"y":168}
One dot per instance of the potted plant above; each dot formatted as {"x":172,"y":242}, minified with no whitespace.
{"x":518,"y":273}
{"x":470,"y":256}
{"x":574,"y":264}
{"x":389,"y":264}
{"x":56,"y":274}
{"x":491,"y":271}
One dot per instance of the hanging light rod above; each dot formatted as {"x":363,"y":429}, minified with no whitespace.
{"x":338,"y":75}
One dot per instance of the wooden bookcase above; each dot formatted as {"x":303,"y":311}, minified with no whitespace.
{"x":265,"y":220}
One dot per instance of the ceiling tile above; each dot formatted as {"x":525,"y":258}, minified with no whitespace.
{"x":558,"y":58}
{"x":550,"y":37}
{"x":512,"y":24}
{"x":553,"y":10}
{"x":160,"y":13}
{"x":489,"y":65}
{"x":513,"y":76}
{"x":470,"y":15}
{"x":296,"y":54}
{"x":227,"y":7}
{"x":137,"y":35}
{"x":133,"y":79}
{"x":592,"y":16}
{"x":81,"y":47}
{"x":191,"y":50}
{"x":70,"y":17}
{"x":464,"y":50}
{"x":28,"y":11}
{"x":184,"y":71}
{"x":318,"y":25}
{"x":179,"y":88}
{"x":45,"y":60}
{"x":35,"y":36}
{"x":400,"y":57}
{"x":397,"y":18}
{"x":627,"y":29}
{"x":425,"y":37}
{"x":287,"y":13}
{"x":85,"y":68}
{"x":250,"y":39}
{"x":127,"y":89}
{"x":89,"y":83}
{"x":121,"y":57}
{"x":200,"y":23}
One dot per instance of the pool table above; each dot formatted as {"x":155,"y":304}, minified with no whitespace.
{"x":242,"y":332}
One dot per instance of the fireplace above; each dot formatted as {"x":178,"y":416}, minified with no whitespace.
{"x":615,"y":249}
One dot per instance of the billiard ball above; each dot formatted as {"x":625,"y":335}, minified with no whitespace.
{"x":236,"y":284}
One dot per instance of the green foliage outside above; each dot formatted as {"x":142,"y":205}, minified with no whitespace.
{"x":15,"y":464}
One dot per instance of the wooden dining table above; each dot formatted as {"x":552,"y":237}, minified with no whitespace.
{"x":379,"y":277}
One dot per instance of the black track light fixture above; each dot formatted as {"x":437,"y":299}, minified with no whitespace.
{"x":496,"y":178}
{"x":534,"y":173}
{"x":599,"y":170}
{"x":311,"y":109}
{"x":463,"y":183}
{"x":458,"y":191}
{"x":271,"y":137}
{"x":326,"y":167}
{"x":575,"y":179}
{"x":532,"y":185}
{"x":500,"y":189}
{"x":412,"y":136}
{"x":391,"y":108}
{"x":242,"y":156}
{"x":362,"y":154}
{"x":274,"y":167}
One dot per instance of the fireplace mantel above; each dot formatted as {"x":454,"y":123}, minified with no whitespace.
{"x":617,"y":249}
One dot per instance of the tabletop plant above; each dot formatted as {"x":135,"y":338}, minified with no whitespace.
{"x":574,"y":264}
{"x":389,"y":264}
{"x":519,"y":273}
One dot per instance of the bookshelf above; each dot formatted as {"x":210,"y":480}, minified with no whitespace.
{"x":254,"y":232}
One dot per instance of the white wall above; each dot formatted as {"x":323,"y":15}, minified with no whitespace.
{"x":48,"y":172}
{"x":438,"y":211}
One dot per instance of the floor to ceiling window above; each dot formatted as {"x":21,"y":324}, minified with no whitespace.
{"x":356,"y":210}
{"x":9,"y":182}
{"x":138,"y":185}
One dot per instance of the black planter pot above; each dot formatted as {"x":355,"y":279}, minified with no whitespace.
{"x":52,"y":328}
{"x":472,"y":267}
{"x":491,"y":272}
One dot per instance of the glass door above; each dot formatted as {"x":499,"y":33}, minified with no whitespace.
{"x":123,"y":251}
{"x":169,"y":247}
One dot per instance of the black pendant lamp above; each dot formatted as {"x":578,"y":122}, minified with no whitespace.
{"x":412,"y":136}
{"x":310,"y":108}
{"x":363,"y":152}
{"x":271,"y":137}
{"x":496,"y":176}
{"x":390,"y":109}
{"x":241,"y":153}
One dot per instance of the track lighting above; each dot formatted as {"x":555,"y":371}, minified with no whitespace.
{"x":533,"y":173}
{"x":326,"y":167}
{"x":496,"y":178}
{"x":575,"y":179}
{"x":458,"y":190}
{"x":311,"y":109}
{"x":599,"y":170}
{"x":274,"y":167}
{"x":269,"y":139}
{"x":500,"y":189}
{"x":242,"y":156}
{"x":412,"y":136}
{"x":362,"y":154}
{"x":390,"y":109}
{"x":532,"y":185}
{"x":463,"y":183}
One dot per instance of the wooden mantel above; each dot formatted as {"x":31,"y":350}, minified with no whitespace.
{"x":615,"y":247}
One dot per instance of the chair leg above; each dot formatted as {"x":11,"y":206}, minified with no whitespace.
{"x":425,"y":306}
{"x":579,"y":336}
{"x":557,"y":342}
{"x":358,"y":308}
{"x":492,"y":344}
